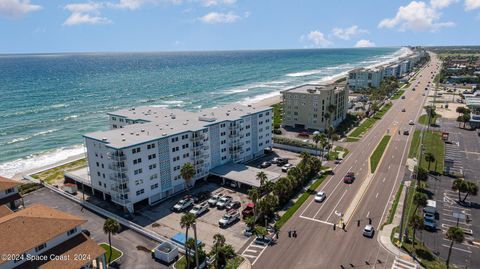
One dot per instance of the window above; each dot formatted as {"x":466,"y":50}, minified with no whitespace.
{"x":138,"y":182}
{"x":42,"y":246}
{"x":152,"y":166}
{"x":222,"y":125}
{"x":176,"y":158}
{"x":174,"y":139}
{"x":186,"y":155}
{"x":9,"y":190}
{"x":72,"y":231}
{"x":114,"y":126}
{"x":136,"y":161}
{"x":135,"y":150}
{"x":154,"y":186}
{"x":260,"y":115}
{"x":150,"y":146}
{"x":138,"y":171}
{"x":152,"y":156}
{"x":154,"y":176}
{"x":140,"y":192}
{"x":175,"y":149}
{"x":98,"y":173}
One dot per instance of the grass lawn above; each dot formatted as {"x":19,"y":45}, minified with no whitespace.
{"x":398,"y":94}
{"x":351,"y":139}
{"x":412,"y":153}
{"x":393,"y":209}
{"x":29,"y":187}
{"x":234,"y":263}
{"x":368,"y":123}
{"x":378,"y":153}
{"x":116,"y":254}
{"x":277,"y":115}
{"x":311,"y":191}
{"x":333,"y":155}
{"x":56,"y":173}
{"x":434,"y":144}
{"x":424,"y":119}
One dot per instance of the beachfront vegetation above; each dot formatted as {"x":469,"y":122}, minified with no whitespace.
{"x":378,"y":153}
{"x":293,"y":142}
{"x":368,"y":123}
{"x":277,"y":115}
{"x":29,"y":187}
{"x":55,"y":174}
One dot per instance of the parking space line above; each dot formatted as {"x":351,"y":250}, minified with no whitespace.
{"x":459,"y":249}
{"x":249,"y":256}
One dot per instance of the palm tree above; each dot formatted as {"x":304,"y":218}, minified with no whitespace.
{"x":218,"y":243}
{"x":430,"y":158}
{"x":254,"y":195}
{"x":419,"y":200}
{"x":459,"y":186}
{"x":456,"y":235}
{"x":111,"y":226}
{"x":416,"y":223}
{"x":421,"y":174}
{"x":316,"y":138}
{"x":187,"y":221}
{"x":471,"y":189}
{"x":262,"y":177}
{"x":187,"y":172}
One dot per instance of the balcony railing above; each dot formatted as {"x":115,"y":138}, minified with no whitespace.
{"x":117,"y":167}
{"x":119,"y":178}
{"x":118,"y":189}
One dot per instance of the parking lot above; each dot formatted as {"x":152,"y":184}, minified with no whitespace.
{"x":162,"y":220}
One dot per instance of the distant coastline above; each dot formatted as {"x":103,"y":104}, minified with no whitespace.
{"x":259,"y":93}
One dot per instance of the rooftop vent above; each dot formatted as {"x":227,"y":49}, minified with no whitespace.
{"x":123,"y":139}
{"x":143,"y":130}
{"x":164,"y":134}
{"x":104,"y":139}
{"x":137,"y":134}
{"x":122,"y":134}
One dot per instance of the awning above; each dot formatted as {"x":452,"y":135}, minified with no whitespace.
{"x":243,"y":173}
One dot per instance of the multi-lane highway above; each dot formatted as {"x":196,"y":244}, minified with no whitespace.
{"x":318,"y":245}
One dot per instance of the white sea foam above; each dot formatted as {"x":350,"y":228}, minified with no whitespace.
{"x":173,"y":102}
{"x":258,"y":98}
{"x":36,"y":161}
{"x":24,"y":138}
{"x":306,"y":73}
{"x":70,"y":117}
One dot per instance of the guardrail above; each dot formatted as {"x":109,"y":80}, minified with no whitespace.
{"x":129,"y":224}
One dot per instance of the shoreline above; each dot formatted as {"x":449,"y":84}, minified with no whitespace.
{"x":267,"y":101}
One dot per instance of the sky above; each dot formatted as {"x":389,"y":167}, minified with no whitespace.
{"x":46,"y":26}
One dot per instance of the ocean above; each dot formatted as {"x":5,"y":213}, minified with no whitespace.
{"x":47,"y":101}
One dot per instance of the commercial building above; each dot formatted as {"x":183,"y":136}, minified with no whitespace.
{"x":54,"y":238}
{"x":9,"y":195}
{"x":363,"y":78}
{"x":140,"y":158}
{"x":307,"y":106}
{"x":473,"y":103}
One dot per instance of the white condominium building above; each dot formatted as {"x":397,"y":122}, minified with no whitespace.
{"x":363,"y":78}
{"x":140,"y":157}
{"x":306,"y":106}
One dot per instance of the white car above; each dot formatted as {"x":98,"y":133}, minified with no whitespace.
{"x":222,"y":202}
{"x":229,"y":218}
{"x":198,"y":210}
{"x":411,"y":122}
{"x":214,"y":199}
{"x":368,"y":231}
{"x":182,"y":205}
{"x":320,"y":196}
{"x":286,"y":167}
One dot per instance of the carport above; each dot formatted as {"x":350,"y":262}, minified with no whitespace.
{"x":242,"y":174}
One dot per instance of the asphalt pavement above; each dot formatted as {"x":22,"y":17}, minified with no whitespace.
{"x":318,"y":245}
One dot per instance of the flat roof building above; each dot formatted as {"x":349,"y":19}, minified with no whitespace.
{"x":314,"y":106}
{"x":141,"y":156}
{"x":363,"y":78}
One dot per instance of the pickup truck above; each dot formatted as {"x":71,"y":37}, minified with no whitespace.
{"x":214,"y":199}
{"x":183,"y":204}
{"x":229,"y":218}
{"x":248,"y":210}
{"x":199,"y":209}
{"x":222,"y":202}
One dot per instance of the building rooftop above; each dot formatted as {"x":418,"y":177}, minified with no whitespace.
{"x":28,"y":228}
{"x":6,"y":183}
{"x":315,"y":88}
{"x":162,"y":122}
{"x":472,"y":101}
{"x":243,"y":173}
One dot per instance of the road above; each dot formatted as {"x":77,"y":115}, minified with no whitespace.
{"x":317,"y":244}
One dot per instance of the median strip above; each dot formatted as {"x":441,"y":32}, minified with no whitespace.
{"x":378,"y":153}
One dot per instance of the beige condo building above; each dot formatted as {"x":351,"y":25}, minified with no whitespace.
{"x":306,"y":106}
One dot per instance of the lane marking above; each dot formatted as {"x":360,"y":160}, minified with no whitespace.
{"x":384,"y":179}
{"x":459,"y":249}
{"x":317,"y":220}
{"x":336,"y":205}
{"x":368,"y":214}
{"x":376,"y":196}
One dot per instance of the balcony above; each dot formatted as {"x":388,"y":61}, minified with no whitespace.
{"x":117,"y":167}
{"x":121,"y":178}
{"x":118,"y":189}
{"x":116,"y":156}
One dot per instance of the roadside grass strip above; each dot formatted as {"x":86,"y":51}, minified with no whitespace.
{"x":412,"y":153}
{"x":424,"y":119}
{"x":398,"y":94}
{"x":116,"y":253}
{"x":368,"y":123}
{"x":378,"y":153}
{"x":433,"y":143}
{"x":393,"y":209}
{"x":56,"y":173}
{"x":291,"y":211}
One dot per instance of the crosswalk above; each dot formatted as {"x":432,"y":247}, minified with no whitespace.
{"x":399,"y":263}
{"x":253,"y":251}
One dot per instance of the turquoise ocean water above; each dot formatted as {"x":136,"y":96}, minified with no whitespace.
{"x":48,"y":101}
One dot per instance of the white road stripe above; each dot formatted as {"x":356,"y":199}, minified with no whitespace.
{"x":376,"y":196}
{"x":333,"y":210}
{"x":460,"y":249}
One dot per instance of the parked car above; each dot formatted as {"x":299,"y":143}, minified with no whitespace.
{"x":429,"y":216}
{"x":214,"y":199}
{"x":275,"y":160}
{"x":223,"y":201}
{"x":286,"y":167}
{"x":430,"y":224}
{"x":320,"y":196}
{"x":233,"y":205}
{"x":248,"y":231}
{"x":199,"y":209}
{"x":183,"y":204}
{"x":201,"y":196}
{"x":265,"y":164}
{"x":263,"y":241}
{"x":229,"y":218}
{"x":282,"y":161}
{"x":248,"y":210}
{"x":368,"y":231}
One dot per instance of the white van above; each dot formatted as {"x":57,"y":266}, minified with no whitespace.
{"x":431,"y":207}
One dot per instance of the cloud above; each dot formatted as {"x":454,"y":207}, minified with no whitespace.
{"x":348,"y":33}
{"x":17,"y":8}
{"x":216,"y":17}
{"x":416,"y":16}
{"x":364,"y":43}
{"x":472,"y":4}
{"x":211,"y":3}
{"x":439,"y":4}
{"x":85,"y":13}
{"x":317,"y":38}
